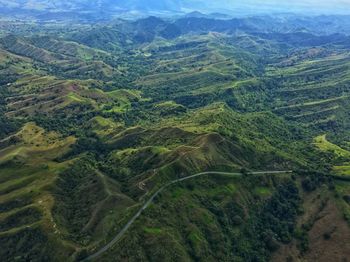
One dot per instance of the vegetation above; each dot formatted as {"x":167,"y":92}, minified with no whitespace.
{"x":216,"y":224}
{"x":94,"y":118}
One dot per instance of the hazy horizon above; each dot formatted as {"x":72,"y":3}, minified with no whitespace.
{"x":305,"y":7}
{"x":232,"y":7}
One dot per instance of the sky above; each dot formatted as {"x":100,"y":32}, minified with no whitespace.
{"x":304,"y":6}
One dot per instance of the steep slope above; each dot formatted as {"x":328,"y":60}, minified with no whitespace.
{"x":76,"y":61}
{"x":27,"y":172}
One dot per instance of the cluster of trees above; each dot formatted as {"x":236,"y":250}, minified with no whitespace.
{"x":58,"y":124}
{"x":30,"y":244}
{"x":19,"y":202}
{"x":77,"y":192}
{"x":91,"y":144}
{"x":7,"y":125}
{"x":273,"y":223}
{"x":24,"y":217}
{"x":311,"y":180}
{"x":246,"y":233}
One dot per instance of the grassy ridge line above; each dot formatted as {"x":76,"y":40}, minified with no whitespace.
{"x":149,"y":201}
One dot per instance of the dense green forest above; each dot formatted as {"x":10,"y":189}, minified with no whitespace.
{"x":95,"y":118}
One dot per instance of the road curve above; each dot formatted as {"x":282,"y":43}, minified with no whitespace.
{"x":150,"y":200}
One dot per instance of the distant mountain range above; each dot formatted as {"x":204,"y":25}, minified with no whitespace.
{"x":92,"y":6}
{"x":84,"y":9}
{"x":116,"y":7}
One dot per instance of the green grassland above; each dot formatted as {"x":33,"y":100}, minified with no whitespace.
{"x":340,"y":155}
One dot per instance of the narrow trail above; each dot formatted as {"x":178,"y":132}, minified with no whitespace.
{"x":150,"y":200}
{"x":105,"y":183}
